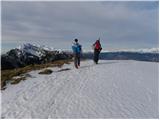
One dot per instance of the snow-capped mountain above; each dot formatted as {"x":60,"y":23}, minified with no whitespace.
{"x":146,"y":50}
{"x":32,"y":49}
{"x":36,"y":50}
{"x":151,"y":50}
{"x":27,"y":54}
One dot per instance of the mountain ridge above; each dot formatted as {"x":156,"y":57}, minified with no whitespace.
{"x":28,"y":53}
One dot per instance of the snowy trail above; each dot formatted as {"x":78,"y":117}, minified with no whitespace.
{"x":111,"y":89}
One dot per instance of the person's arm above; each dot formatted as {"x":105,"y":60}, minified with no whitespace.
{"x":93,"y":46}
{"x":73,"y":48}
{"x":100,"y":47}
{"x":80,"y":46}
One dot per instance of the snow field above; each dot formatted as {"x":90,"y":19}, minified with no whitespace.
{"x":111,"y":89}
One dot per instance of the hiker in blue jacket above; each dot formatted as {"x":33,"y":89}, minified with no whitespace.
{"x":77,"y":48}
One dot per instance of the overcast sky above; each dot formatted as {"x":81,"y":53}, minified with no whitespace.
{"x":120,"y":25}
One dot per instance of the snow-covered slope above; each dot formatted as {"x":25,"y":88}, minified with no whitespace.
{"x":111,"y":89}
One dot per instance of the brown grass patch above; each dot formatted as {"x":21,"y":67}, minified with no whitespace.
{"x":64,"y":69}
{"x":9,"y":74}
{"x":17,"y":80}
{"x":46,"y":71}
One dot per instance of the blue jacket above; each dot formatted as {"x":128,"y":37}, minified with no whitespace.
{"x":76,"y":47}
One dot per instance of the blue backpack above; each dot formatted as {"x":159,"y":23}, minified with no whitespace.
{"x":76,"y":48}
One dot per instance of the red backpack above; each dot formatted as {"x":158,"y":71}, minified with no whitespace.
{"x":97,"y":46}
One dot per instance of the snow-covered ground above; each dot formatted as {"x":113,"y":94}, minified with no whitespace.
{"x":111,"y":89}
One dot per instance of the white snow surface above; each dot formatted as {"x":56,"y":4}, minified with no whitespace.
{"x":111,"y":89}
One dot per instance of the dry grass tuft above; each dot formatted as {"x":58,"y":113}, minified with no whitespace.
{"x":46,"y":71}
{"x":7,"y":75}
{"x":17,"y":80}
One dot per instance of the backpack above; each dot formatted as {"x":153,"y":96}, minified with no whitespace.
{"x":97,"y":46}
{"x":76,"y":48}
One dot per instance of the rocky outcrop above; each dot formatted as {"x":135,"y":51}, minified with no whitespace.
{"x":30,"y":54}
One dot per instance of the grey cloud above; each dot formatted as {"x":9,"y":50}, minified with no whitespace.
{"x":117,"y":23}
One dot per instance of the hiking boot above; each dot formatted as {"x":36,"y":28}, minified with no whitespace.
{"x":76,"y":66}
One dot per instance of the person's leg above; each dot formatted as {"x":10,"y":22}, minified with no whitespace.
{"x":75,"y":60}
{"x":78,"y":59}
{"x":96,"y":57}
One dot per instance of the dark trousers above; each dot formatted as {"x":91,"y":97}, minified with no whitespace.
{"x":96,"y":56}
{"x":77,"y":59}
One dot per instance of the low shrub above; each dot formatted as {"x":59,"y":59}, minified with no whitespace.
{"x":46,"y":71}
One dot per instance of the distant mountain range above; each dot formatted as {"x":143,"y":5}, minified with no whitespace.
{"x":27,"y":54}
{"x":149,"y":50}
{"x":145,"y":50}
{"x":150,"y":57}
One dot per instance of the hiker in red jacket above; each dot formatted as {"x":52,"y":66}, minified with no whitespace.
{"x":97,"y":49}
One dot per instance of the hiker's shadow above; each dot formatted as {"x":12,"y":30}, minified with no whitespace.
{"x":87,"y":66}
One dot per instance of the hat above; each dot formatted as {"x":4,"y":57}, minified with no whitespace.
{"x":76,"y":40}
